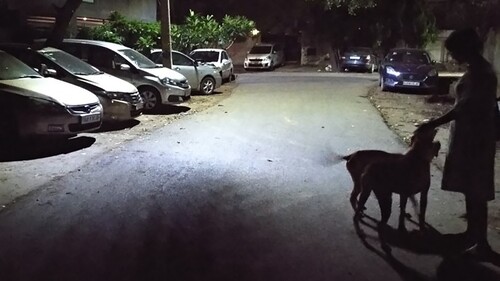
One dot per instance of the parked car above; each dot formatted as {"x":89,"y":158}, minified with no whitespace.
{"x":202,"y":78}
{"x":218,"y":57}
{"x":120,"y":99}
{"x":359,"y":59}
{"x":33,"y":105}
{"x":156,"y":85}
{"x":264,"y":56}
{"x":408,"y":68}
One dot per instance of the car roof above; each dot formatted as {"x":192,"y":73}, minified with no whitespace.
{"x":27,"y":47}
{"x":108,"y":45}
{"x":407,"y":50}
{"x":208,"y":49}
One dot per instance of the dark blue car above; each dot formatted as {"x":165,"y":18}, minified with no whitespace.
{"x":408,"y":68}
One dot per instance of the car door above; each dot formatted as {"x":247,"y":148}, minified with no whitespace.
{"x":226,"y":64}
{"x":186,"y":66}
{"x":110,"y":62}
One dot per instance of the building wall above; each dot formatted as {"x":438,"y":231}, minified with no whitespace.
{"x":99,"y":9}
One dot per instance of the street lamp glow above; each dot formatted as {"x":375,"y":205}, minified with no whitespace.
{"x":255,"y":31}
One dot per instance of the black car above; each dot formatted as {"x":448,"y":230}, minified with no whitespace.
{"x":359,"y":59}
{"x":408,"y":68}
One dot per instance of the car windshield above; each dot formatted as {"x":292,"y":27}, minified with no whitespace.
{"x":361,"y":51}
{"x":71,"y":63}
{"x":205,"y":56}
{"x":261,"y":50}
{"x":138,"y":59}
{"x":12,"y":68}
{"x":413,"y":57}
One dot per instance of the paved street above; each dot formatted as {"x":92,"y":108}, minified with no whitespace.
{"x":241,"y":191}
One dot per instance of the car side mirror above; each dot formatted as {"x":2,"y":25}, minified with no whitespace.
{"x":49,"y":72}
{"x":124,"y":67}
{"x":45,"y":71}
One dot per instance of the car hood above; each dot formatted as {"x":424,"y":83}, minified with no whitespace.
{"x":49,"y":89}
{"x":411,"y":68}
{"x":108,"y":83}
{"x":163,"y":72}
{"x":257,"y":56}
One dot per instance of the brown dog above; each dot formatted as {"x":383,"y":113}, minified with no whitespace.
{"x":386,"y":173}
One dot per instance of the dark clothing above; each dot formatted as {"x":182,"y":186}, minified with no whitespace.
{"x":469,"y":166}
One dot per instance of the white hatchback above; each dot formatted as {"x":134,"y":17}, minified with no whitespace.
{"x":218,"y":57}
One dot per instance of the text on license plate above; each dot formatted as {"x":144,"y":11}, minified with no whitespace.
{"x":411,"y":83}
{"x":91,"y":118}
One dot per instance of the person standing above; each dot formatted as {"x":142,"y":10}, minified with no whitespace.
{"x":470,"y":162}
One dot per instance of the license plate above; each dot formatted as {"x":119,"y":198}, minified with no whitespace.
{"x":411,"y":83}
{"x":354,"y":57}
{"x":91,"y":118}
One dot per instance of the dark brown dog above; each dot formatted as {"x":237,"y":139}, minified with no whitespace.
{"x":386,"y":173}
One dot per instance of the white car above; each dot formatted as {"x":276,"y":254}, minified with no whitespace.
{"x":120,"y":99}
{"x":264,"y":56}
{"x":156,"y":85}
{"x":33,"y":105}
{"x":201,"y":77}
{"x":218,"y":57}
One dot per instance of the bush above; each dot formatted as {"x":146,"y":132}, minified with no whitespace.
{"x":197,"y":31}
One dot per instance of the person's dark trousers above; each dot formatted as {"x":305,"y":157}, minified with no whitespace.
{"x":477,"y":221}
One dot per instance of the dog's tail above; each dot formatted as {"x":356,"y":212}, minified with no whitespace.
{"x":331,"y":158}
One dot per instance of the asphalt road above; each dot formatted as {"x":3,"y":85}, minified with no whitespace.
{"x":242,"y":191}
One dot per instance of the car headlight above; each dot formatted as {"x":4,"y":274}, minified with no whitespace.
{"x":167,"y":81}
{"x":392,"y":71}
{"x":46,"y":106}
{"x":432,"y":72}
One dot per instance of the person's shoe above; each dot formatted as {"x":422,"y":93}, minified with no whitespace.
{"x":481,"y":252}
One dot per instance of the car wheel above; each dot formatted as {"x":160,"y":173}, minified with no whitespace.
{"x":207,"y":85}
{"x":383,"y":87}
{"x":151,"y":98}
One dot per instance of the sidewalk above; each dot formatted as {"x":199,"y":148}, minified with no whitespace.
{"x":402,"y":112}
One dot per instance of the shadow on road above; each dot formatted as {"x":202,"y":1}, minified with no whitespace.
{"x":41,"y":148}
{"x":117,"y":126}
{"x":454,"y":266}
{"x":169,"y":109}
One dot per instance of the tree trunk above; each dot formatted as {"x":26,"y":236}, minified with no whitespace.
{"x":63,"y":17}
{"x":166,"y":41}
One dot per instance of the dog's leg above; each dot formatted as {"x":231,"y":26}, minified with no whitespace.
{"x":354,"y":194}
{"x":385,"y":203}
{"x":365,"y":193}
{"x":423,"y":209}
{"x":402,"y":212}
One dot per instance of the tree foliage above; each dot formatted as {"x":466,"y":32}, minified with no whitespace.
{"x":196,"y":31}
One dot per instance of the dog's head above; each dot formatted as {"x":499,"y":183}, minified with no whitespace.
{"x":423,"y":143}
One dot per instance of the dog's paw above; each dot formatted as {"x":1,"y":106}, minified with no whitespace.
{"x":402,"y":229}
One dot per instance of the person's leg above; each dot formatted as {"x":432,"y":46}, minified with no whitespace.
{"x":477,"y":222}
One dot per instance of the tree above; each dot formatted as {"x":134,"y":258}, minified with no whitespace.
{"x":166,"y":39}
{"x":197,"y":31}
{"x":480,"y":14}
{"x":64,"y":15}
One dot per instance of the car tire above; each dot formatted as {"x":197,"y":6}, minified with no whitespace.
{"x":151,"y":98}
{"x":207,"y":85}
{"x":382,"y":85}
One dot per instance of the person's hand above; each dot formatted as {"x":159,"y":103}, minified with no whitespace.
{"x":424,"y":127}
